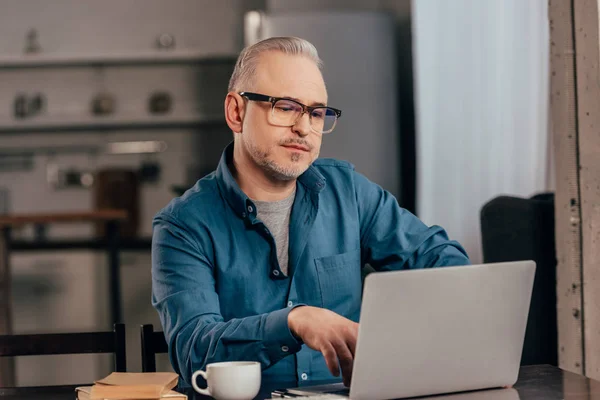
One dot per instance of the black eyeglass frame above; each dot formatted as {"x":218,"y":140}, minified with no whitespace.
{"x":305,"y":109}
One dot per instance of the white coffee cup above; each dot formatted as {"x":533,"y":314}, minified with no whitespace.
{"x":236,"y":380}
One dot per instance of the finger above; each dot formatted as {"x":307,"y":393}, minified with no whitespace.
{"x":351,"y":339}
{"x":346,"y":360}
{"x":330,"y":358}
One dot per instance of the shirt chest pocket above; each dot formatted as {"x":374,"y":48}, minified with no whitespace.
{"x":340,"y":283}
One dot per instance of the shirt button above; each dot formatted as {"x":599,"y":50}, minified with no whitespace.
{"x":250,"y":209}
{"x":275,"y":272}
{"x":243,"y":215}
{"x":304,"y":376}
{"x":285,"y":348}
{"x":290,"y":303}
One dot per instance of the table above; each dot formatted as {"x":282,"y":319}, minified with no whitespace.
{"x":541,"y":382}
{"x":110,"y":218}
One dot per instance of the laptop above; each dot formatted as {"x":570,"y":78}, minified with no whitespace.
{"x":437,"y":331}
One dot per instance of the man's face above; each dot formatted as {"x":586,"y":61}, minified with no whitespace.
{"x":283,"y":152}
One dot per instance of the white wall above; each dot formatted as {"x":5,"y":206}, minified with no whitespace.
{"x":481,"y":90}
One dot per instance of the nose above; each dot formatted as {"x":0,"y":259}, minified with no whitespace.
{"x":302,"y":126}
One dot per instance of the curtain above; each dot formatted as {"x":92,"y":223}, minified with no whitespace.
{"x":481,"y":104}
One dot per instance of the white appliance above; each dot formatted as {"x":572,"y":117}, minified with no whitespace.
{"x":358,"y":50}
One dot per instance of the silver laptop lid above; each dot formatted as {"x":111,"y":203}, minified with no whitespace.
{"x":441,"y":330}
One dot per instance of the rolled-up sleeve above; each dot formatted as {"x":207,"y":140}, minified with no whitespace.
{"x":392,"y":238}
{"x":184,"y":294}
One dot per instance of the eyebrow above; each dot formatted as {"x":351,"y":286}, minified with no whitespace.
{"x":298,"y":100}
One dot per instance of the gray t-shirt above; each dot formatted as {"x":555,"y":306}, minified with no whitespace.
{"x":276,"y":216}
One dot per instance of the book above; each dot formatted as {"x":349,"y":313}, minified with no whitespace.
{"x":132,"y":386}
{"x":85,"y":393}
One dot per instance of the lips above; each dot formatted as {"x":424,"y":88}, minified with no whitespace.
{"x":296,"y":147}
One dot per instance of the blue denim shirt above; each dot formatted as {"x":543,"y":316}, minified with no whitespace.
{"x":216,"y":281}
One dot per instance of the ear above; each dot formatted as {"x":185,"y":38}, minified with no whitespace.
{"x":234,"y":111}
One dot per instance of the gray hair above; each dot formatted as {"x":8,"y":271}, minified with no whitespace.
{"x":245,"y":67}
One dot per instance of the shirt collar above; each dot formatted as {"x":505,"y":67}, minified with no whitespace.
{"x":241,"y":204}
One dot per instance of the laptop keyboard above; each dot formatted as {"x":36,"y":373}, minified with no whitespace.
{"x":338,"y":394}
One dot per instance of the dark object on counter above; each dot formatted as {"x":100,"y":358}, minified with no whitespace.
{"x":27,"y":106}
{"x":37,"y":103}
{"x":149,"y":172}
{"x":32,"y":42}
{"x":103,"y":104}
{"x":117,"y":188}
{"x":20,"y":106}
{"x":514,"y":229}
{"x":160,"y":103}
{"x":165,"y":41}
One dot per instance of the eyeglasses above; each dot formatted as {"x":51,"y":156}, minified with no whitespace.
{"x":287,"y":112}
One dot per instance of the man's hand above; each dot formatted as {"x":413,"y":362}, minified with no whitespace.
{"x":331,"y":334}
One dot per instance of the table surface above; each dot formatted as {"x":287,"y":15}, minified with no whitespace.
{"x":535,"y":383}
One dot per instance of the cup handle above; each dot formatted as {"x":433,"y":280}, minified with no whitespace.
{"x":198,"y":389}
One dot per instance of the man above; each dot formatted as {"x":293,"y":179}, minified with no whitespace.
{"x":261,"y":260}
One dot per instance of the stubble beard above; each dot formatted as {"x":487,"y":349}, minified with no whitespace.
{"x":272,"y":168}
